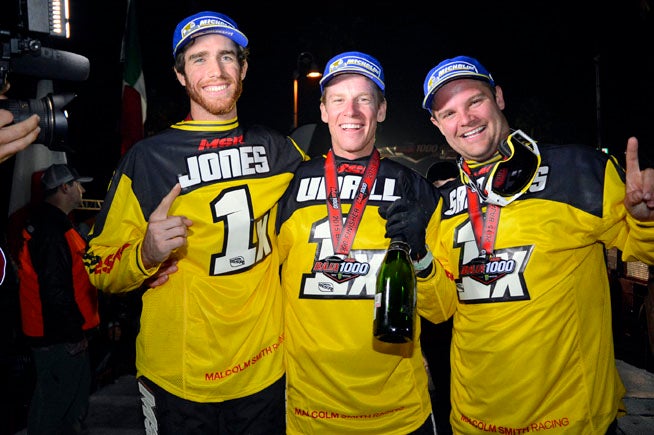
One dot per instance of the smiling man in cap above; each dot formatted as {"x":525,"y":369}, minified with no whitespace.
{"x":524,"y":230}
{"x":205,"y":23}
{"x":192,"y":209}
{"x":332,"y":239}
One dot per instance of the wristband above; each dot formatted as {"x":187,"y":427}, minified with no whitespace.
{"x":424,"y":262}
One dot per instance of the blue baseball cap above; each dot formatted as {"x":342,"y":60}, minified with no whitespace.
{"x":460,"y":67}
{"x":353,"y":62}
{"x":204,"y":23}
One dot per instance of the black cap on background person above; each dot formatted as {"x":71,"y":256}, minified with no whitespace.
{"x":60,"y":173}
{"x":442,"y":171}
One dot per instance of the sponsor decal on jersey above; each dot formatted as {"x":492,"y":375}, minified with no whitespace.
{"x":335,"y":277}
{"x":487,"y":270}
{"x":96,"y":265}
{"x":340,"y":270}
{"x":351,"y":168}
{"x":220,"y":142}
{"x":496,"y":278}
{"x":538,"y":426}
{"x":263,"y":353}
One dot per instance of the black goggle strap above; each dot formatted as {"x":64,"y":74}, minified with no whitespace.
{"x":517,"y":171}
{"x":466,"y":176}
{"x":470,"y":172}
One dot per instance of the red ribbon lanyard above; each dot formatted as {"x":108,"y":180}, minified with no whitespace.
{"x":483,"y":227}
{"x":343,"y":235}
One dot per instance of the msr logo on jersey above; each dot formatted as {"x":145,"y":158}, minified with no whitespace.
{"x":220,"y":143}
{"x":351,"y":168}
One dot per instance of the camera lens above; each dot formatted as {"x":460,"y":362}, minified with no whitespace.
{"x":53,"y":119}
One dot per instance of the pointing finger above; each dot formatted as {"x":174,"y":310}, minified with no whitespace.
{"x":631,"y":159}
{"x":161,"y":212}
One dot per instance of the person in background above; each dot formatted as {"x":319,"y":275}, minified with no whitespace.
{"x":523,"y":230}
{"x":436,"y":338}
{"x":190,"y":212}
{"x":59,"y":306}
{"x":340,"y":380}
{"x":441,"y":172}
{"x":15,"y":137}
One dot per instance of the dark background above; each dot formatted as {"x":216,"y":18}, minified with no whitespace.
{"x":552,"y":58}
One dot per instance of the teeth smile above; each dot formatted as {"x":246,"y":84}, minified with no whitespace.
{"x":356,"y":126}
{"x":473,"y":132}
{"x":215,"y":88}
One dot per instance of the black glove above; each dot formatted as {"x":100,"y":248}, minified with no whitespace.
{"x":405,"y":220}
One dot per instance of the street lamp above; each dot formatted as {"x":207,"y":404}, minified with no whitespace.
{"x":306,"y":67}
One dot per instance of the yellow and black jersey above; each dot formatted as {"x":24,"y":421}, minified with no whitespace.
{"x":214,"y":331}
{"x":338,"y":379}
{"x":532,"y":346}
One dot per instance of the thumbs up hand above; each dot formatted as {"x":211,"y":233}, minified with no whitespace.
{"x":164,"y":233}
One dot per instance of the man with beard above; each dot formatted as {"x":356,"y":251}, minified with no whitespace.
{"x":200,"y":199}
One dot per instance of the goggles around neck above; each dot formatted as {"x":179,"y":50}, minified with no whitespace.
{"x":509,"y":177}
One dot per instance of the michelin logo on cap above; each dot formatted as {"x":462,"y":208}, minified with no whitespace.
{"x":197,"y":26}
{"x":204,"y":23}
{"x":353,"y":62}
{"x":457,"y":68}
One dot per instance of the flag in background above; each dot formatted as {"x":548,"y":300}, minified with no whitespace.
{"x":134,"y":105}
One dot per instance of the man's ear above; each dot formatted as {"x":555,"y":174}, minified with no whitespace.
{"x":381,"y":112}
{"x":244,"y":69}
{"x":436,"y":123}
{"x":499,"y":97}
{"x":180,"y":77}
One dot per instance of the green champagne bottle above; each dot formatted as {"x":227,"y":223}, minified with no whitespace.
{"x":395,"y":296}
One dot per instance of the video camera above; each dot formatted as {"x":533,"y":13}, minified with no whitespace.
{"x":23,"y":54}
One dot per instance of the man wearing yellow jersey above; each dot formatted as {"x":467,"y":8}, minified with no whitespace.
{"x":523,"y":229}
{"x":200,"y":199}
{"x":340,"y":380}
